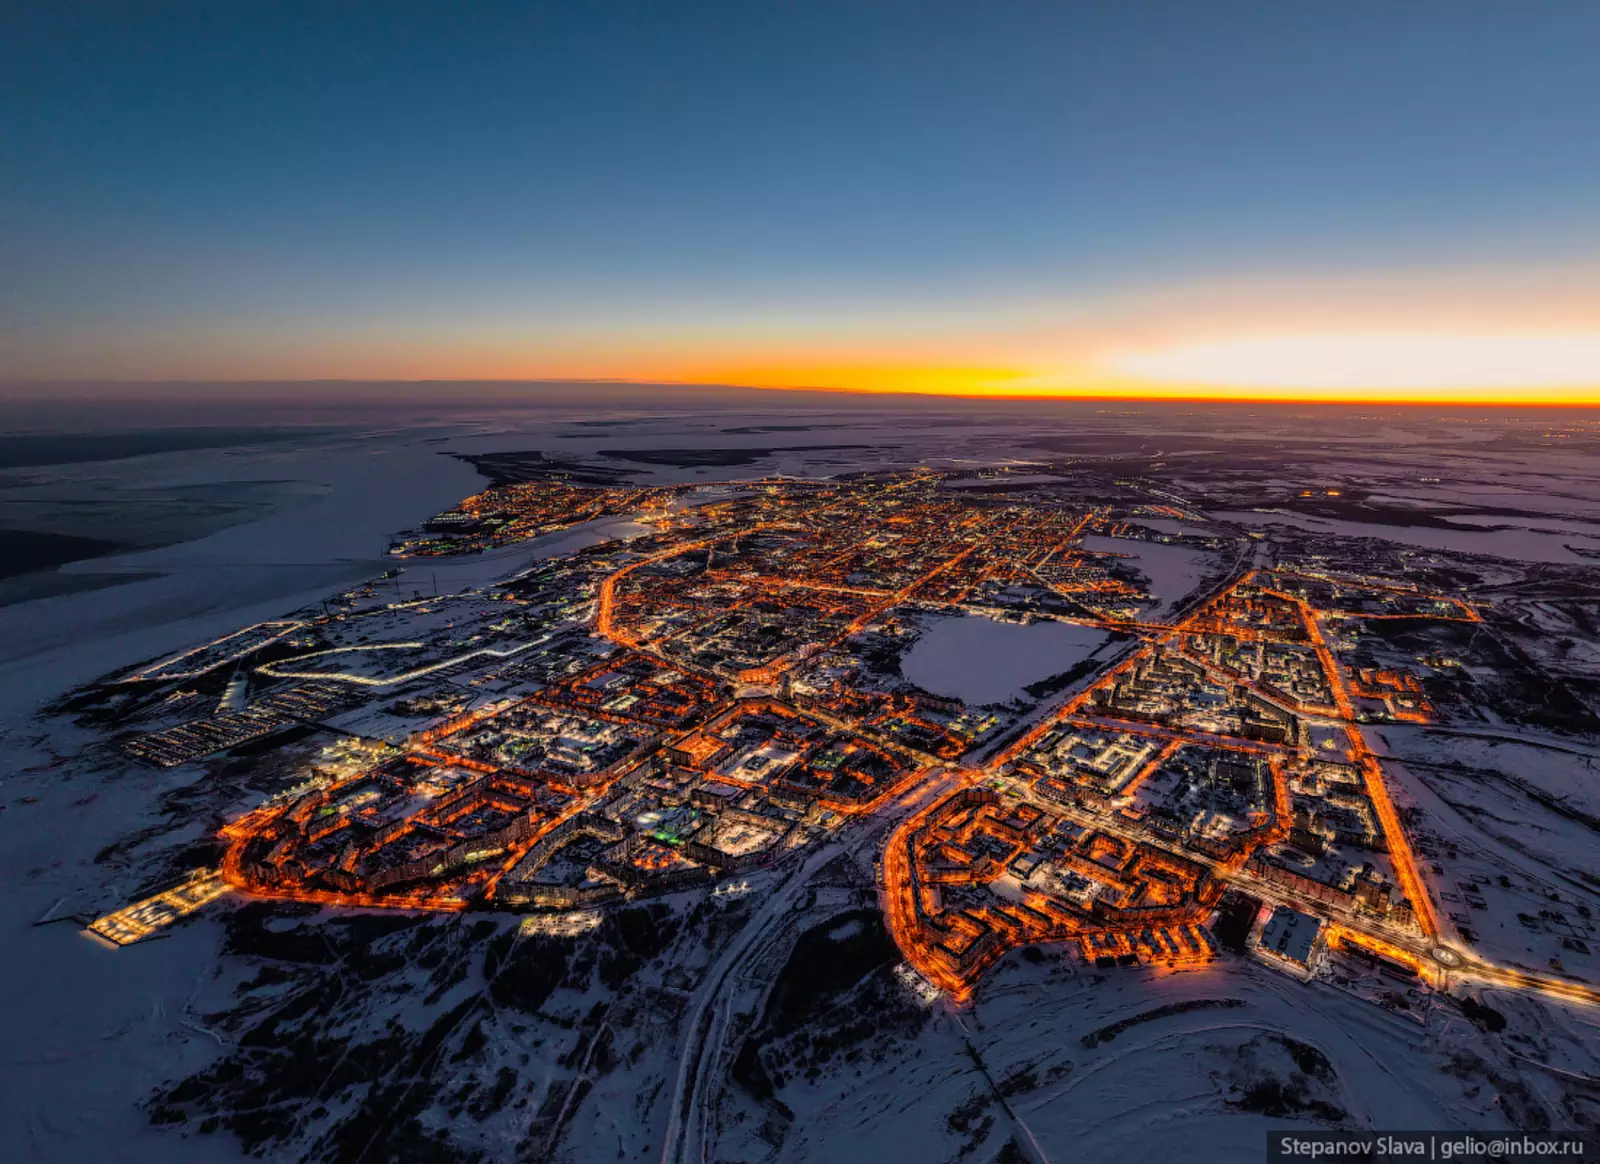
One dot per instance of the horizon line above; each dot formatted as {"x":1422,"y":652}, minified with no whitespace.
{"x":1284,"y":396}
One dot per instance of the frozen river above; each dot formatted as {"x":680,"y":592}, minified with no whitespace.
{"x":347,"y":498}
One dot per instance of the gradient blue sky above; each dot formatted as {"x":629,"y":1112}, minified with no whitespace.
{"x":688,"y":190}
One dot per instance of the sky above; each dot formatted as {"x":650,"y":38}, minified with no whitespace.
{"x":1344,"y":199}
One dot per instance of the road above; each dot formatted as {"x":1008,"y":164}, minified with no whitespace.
{"x":1022,"y":1134}
{"x":1443,"y":961}
{"x":688,"y":1121}
{"x":691,"y":1123}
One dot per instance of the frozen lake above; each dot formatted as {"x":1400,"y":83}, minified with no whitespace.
{"x":979,"y":660}
{"x":1173,"y":571}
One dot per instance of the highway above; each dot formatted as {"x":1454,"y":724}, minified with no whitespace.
{"x":1442,"y":962}
{"x":689,"y":1129}
{"x":708,"y":1030}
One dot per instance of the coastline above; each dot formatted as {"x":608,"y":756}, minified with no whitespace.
{"x":258,"y":569}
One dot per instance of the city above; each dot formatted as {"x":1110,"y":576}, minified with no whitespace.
{"x":831,"y":583}
{"x":722,"y":696}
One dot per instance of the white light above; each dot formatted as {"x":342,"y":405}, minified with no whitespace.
{"x":1374,"y":360}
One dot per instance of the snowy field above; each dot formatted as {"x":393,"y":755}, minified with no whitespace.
{"x":88,"y":1029}
{"x":1523,"y":545}
{"x":1148,"y":1066}
{"x":1511,"y":828}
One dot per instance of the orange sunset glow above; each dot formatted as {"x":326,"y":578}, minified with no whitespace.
{"x":1234,"y":224}
{"x":1482,"y":333}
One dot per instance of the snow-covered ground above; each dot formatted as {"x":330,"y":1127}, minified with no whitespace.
{"x":87,"y":1026}
{"x":1509,"y":832}
{"x":1523,"y":545}
{"x":980,"y":660}
{"x":91,"y":1031}
{"x":353,"y":495}
{"x":1148,"y":1066}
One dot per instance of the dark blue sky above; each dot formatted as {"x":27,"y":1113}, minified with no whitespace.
{"x":208,"y":188}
